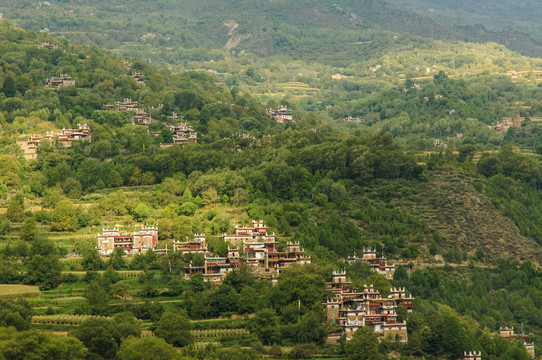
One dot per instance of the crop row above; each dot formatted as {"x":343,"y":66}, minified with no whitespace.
{"x":122,"y":273}
{"x":212,"y":333}
{"x":220,"y":333}
{"x":61,"y":319}
{"x":68,"y":300}
{"x":29,"y":295}
{"x":203,"y":345}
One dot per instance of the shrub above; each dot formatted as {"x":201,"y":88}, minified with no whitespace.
{"x":303,"y":351}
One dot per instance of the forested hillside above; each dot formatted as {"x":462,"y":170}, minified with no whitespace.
{"x":318,"y":57}
{"x":458,"y":217}
{"x":495,"y":15}
{"x":204,"y":29}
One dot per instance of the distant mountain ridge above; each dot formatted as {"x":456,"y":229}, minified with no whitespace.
{"x":495,"y":15}
{"x":388,"y":17}
{"x":302,"y":29}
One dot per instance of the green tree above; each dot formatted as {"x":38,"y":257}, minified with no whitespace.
{"x":175,"y":329}
{"x":98,"y":298}
{"x":117,"y":259}
{"x":24,"y":82}
{"x":303,"y":351}
{"x":240,"y":278}
{"x":188,"y":209}
{"x":114,"y":179}
{"x":15,"y":211}
{"x":16,"y":314}
{"x":43,"y":246}
{"x":299,"y":284}
{"x":247,"y":300}
{"x":400,"y":276}
{"x":12,"y":104}
{"x":136,"y":177}
{"x":45,"y":271}
{"x":5,"y":225}
{"x":309,"y":329}
{"x":466,"y":153}
{"x":488,"y":165}
{"x":98,"y":335}
{"x":37,"y":344}
{"x":265,"y":324}
{"x":72,"y":188}
{"x":363,"y":346}
{"x":126,"y":325}
{"x":91,"y":260}
{"x":141,"y":212}
{"x":448,"y":336}
{"x":29,"y":230}
{"x":64,"y":217}
{"x":187,"y":195}
{"x":9,"y":89}
{"x":123,"y":290}
{"x":150,"y":348}
{"x":149,"y":288}
{"x":147,"y":178}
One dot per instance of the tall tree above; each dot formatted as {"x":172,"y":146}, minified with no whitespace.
{"x":9,"y":89}
{"x":15,"y":209}
{"x":98,"y":335}
{"x":149,"y":348}
{"x":44,"y":271}
{"x":363,"y":346}
{"x":266,"y":326}
{"x":98,"y":298}
{"x":35,"y":344}
{"x":29,"y":230}
{"x":175,"y":329}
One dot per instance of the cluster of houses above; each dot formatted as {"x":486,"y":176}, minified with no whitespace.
{"x":348,"y":308}
{"x":133,"y":243}
{"x":125,"y":105}
{"x":139,"y":78}
{"x":282,"y":114}
{"x":439,"y":143}
{"x":442,"y":144}
{"x":260,"y":250}
{"x":139,"y":116}
{"x":507,"y":123}
{"x":182,"y":133}
{"x":507,"y":333}
{"x":58,"y":82}
{"x":378,"y":264}
{"x":375,"y":68}
{"x":355,"y":120}
{"x":64,"y":138}
{"x":47,"y":45}
{"x":473,"y":355}
{"x":351,"y":310}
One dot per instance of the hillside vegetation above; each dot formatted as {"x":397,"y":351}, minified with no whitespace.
{"x":495,"y":15}
{"x":461,"y":221}
{"x":314,"y":56}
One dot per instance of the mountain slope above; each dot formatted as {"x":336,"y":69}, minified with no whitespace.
{"x":169,"y":32}
{"x":496,"y":15}
{"x":385,"y":16}
{"x":468,"y":221}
